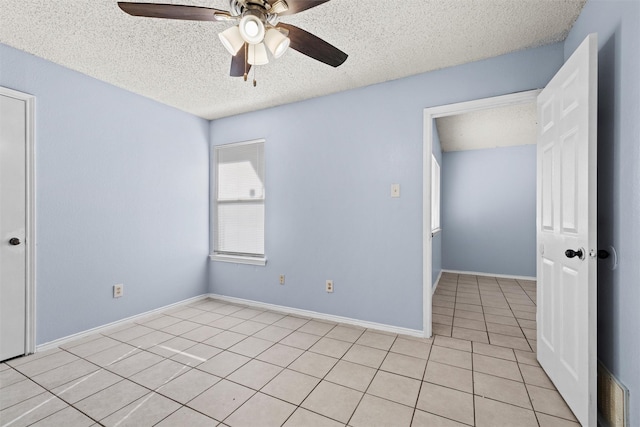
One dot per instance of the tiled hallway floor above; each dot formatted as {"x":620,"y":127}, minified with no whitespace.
{"x":213,"y":362}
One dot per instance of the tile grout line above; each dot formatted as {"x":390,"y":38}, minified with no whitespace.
{"x":519,"y":326}
{"x":258,"y":391}
{"x":473,"y":380}
{"x":517,"y":364}
{"x":484,"y":318}
{"x":535,"y":303}
{"x":328,"y":372}
{"x":471,"y":353}
{"x":514,"y":315}
{"x":535,"y":414}
{"x":56,"y":395}
{"x":424,"y":372}
{"x":523,"y":383}
{"x":225,"y":378}
{"x":370,"y":382}
{"x":149,"y":396}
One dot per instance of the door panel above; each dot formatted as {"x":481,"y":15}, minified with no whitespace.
{"x":12,"y":225}
{"x":546,"y":322}
{"x":569,"y":184}
{"x":566,"y":219}
{"x":569,"y":342}
{"x":547,"y":188}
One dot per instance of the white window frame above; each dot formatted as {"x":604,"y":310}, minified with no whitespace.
{"x":435,"y":196}
{"x":258,"y":259}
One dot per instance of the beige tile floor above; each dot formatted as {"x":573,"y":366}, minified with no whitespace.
{"x":213,"y":363}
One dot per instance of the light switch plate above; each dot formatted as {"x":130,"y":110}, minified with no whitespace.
{"x":395,"y":190}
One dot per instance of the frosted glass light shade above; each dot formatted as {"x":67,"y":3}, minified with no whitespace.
{"x":251,"y":29}
{"x":231,"y":39}
{"x":276,"y":42}
{"x":258,"y":54}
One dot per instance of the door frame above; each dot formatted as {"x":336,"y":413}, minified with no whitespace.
{"x":430,"y":114}
{"x":30,"y":220}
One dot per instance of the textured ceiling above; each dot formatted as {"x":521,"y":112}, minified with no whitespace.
{"x":495,"y":127}
{"x":183,"y":64}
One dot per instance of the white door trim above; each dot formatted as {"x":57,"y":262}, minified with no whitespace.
{"x":429,"y":115}
{"x":30,"y":232}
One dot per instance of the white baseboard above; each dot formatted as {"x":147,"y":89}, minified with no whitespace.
{"x":502,"y":276}
{"x":434,"y":287}
{"x":60,"y":341}
{"x":322,"y":316}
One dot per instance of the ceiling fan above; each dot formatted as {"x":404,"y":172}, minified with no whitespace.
{"x":257,"y":27}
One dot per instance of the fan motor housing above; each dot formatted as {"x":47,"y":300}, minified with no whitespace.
{"x":238,"y":7}
{"x":259,"y":8}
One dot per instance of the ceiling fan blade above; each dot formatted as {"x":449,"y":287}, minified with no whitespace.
{"x":296,"y":6}
{"x":173,"y":11}
{"x":313,"y":46}
{"x":238,"y":63}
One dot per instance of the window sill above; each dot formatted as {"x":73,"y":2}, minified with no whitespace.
{"x":238,"y":259}
{"x":435,"y":231}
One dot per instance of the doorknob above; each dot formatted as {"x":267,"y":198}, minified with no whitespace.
{"x":570,"y":253}
{"x":14,"y":241}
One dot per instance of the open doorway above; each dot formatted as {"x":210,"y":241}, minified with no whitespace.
{"x":482,"y":109}
{"x":485,"y":251}
{"x":488,"y":203}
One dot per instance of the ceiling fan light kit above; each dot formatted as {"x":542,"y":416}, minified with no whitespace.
{"x":258,"y":28}
{"x":231,"y":39}
{"x":251,"y":28}
{"x":258,"y":54}
{"x":277,"y":42}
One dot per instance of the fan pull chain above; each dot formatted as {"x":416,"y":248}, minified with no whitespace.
{"x":246,"y":58}
{"x":254,"y":76}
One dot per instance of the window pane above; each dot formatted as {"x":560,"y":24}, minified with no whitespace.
{"x":240,"y":228}
{"x":435,"y":194}
{"x":241,"y":172}
{"x":239,"y":199}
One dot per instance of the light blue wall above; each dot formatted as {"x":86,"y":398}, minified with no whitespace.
{"x":436,"y":242}
{"x":489,"y":210}
{"x":330,"y":162}
{"x":618,"y":26}
{"x":122,"y":197}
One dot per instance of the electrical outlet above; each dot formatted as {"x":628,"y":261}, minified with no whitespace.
{"x":118,"y":290}
{"x":329,"y":285}
{"x":282,"y":279}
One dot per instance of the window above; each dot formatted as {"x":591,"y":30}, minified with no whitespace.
{"x":238,"y":224}
{"x":435,"y":195}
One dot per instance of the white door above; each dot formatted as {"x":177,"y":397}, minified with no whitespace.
{"x":566,"y":221}
{"x":13,"y":138}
